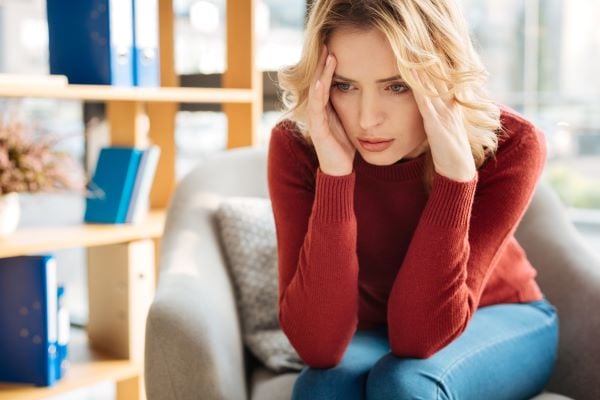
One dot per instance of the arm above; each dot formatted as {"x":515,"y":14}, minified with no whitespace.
{"x":318,"y":265}
{"x":455,"y":247}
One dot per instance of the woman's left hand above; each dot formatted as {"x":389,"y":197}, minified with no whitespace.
{"x":444,"y":126}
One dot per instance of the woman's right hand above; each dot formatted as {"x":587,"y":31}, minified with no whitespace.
{"x":334,"y":149}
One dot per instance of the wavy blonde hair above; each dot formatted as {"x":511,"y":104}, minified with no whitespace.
{"x":427,"y":35}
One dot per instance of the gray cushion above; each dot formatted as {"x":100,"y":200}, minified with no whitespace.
{"x":247,"y":229}
{"x":269,"y":386}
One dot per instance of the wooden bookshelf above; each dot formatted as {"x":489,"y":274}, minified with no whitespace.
{"x":124,"y":257}
{"x":33,"y":240}
{"x":87,"y":367}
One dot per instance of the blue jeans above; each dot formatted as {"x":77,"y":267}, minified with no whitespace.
{"x":507,"y":352}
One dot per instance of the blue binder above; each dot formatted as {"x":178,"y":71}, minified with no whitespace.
{"x":146,"y":59}
{"x":91,"y":41}
{"x":112,"y":185}
{"x":28,"y":320}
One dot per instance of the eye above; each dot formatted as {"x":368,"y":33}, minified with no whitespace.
{"x":341,"y":86}
{"x":398,"y":88}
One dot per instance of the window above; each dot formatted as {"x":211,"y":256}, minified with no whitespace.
{"x":200,"y":34}
{"x":543,"y":57}
{"x":200,"y":59}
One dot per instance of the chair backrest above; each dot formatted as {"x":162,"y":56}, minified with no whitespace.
{"x":237,"y":172}
{"x":569,"y":276}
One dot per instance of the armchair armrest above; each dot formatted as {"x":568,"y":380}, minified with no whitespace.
{"x":193,"y":344}
{"x":569,"y":276}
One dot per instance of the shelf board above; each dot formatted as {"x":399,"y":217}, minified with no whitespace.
{"x":41,"y":239}
{"x":87,"y":367}
{"x":136,"y":94}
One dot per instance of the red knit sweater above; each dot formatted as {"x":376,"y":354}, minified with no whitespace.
{"x":372,"y":248}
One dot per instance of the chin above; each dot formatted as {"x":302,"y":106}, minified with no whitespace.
{"x":380,"y":159}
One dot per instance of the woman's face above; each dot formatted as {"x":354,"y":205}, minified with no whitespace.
{"x":371,"y":100}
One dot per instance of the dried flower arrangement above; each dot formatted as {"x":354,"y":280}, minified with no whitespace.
{"x":30,"y":162}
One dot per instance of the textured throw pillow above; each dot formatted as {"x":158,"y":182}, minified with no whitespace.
{"x":247,"y":230}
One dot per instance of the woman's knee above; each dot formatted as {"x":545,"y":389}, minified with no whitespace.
{"x":396,"y":378}
{"x":347,"y":379}
{"x":329,"y":384}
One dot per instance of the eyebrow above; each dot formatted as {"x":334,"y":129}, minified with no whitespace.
{"x":391,"y":78}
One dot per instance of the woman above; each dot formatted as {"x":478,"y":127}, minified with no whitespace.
{"x":396,"y":186}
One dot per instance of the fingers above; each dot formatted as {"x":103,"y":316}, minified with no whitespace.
{"x":439,"y":102}
{"x":327,"y":76}
{"x":324,"y":75}
{"x":445,"y":99}
{"x":316,"y":115}
{"x":319,"y":91}
{"x":423,"y":101}
{"x":320,"y":64}
{"x":315,"y":88}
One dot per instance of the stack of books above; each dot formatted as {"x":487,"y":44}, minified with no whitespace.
{"x":34,"y":324}
{"x":120,"y":187}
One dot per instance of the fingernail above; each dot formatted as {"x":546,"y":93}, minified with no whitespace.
{"x":317,"y":84}
{"x":327,"y":61}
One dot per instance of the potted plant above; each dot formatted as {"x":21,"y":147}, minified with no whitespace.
{"x":31,"y":163}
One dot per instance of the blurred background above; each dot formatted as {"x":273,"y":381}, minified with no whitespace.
{"x":543,"y":57}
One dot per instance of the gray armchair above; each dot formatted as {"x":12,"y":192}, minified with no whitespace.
{"x":194,"y":347}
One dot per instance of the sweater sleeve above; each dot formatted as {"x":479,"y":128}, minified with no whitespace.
{"x":317,"y":261}
{"x":455,"y":248}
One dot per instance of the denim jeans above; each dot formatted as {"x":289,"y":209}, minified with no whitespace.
{"x":507,"y":352}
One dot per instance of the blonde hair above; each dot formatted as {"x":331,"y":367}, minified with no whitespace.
{"x":428,"y":35}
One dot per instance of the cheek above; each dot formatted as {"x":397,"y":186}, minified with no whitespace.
{"x":412,"y":107}
{"x":343,"y":106}
{"x":409,"y":111}
{"x":336,"y":99}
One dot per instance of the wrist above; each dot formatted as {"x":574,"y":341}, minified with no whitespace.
{"x":335,"y":171}
{"x":458,"y":176}
{"x":457,"y":171}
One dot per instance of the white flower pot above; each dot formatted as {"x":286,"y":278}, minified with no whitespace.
{"x":10,"y":213}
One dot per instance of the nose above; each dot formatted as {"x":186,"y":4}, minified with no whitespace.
{"x":371,"y":114}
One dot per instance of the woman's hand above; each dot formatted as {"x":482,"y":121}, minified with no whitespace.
{"x":334,"y":149}
{"x":448,"y":140}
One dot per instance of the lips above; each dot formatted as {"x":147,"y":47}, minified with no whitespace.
{"x":375,"y":144}
{"x":374,"y":140}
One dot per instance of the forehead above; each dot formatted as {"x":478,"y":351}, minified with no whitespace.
{"x":362,"y":54}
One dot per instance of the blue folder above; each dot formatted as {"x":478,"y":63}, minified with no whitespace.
{"x":28,"y":320}
{"x":146,"y":59}
{"x":112,"y":185}
{"x":91,"y":41}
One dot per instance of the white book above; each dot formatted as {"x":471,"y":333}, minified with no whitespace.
{"x":140,"y":197}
